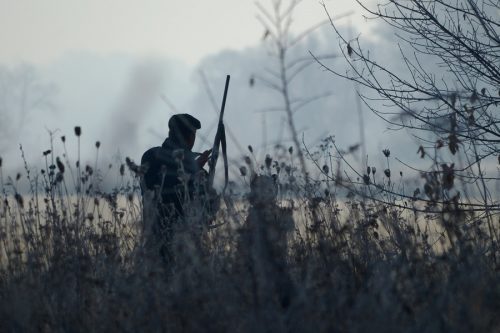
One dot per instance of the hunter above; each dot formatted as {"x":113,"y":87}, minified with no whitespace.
{"x":173,"y":176}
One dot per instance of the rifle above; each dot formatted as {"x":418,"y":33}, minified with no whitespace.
{"x":220,"y":141}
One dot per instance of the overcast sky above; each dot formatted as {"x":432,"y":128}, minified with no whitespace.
{"x":41,"y":32}
{"x":107,"y":66}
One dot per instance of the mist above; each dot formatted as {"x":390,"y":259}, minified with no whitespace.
{"x":124,"y":102}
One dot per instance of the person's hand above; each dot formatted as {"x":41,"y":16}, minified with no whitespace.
{"x":203,"y":158}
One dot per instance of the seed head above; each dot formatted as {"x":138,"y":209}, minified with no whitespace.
{"x":59,"y":177}
{"x":387,"y":172}
{"x":250,"y":148}
{"x":349,"y":49}
{"x":45,"y":153}
{"x":368,"y":170}
{"x":353,"y":148}
{"x":453,"y":143}
{"x":386,"y":152}
{"x":18,"y":176}
{"x":290,"y":150}
{"x":122,"y":169}
{"x":60,"y":165}
{"x":132,"y":166}
{"x":0,"y":162}
{"x":78,"y":130}
{"x":268,"y":161}
{"x":19,"y":199}
{"x":248,"y":161}
{"x":63,"y":139}
{"x":374,"y":170}
{"x":366,"y":179}
{"x":243,"y":171}
{"x":97,"y":144}
{"x":326,"y":169}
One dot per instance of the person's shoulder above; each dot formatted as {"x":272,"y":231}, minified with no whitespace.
{"x":150,"y":154}
{"x":158,"y":155}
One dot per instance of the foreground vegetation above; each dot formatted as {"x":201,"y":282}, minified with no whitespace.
{"x":284,"y":258}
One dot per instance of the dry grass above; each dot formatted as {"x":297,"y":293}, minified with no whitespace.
{"x":77,"y":261}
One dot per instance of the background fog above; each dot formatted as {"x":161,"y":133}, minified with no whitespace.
{"x":127,"y":68}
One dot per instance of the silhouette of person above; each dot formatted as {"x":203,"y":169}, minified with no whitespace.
{"x":173,"y":173}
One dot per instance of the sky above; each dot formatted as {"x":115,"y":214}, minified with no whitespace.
{"x":42,"y":31}
{"x":119,"y":69}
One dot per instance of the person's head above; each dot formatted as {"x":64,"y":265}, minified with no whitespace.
{"x":182,"y":129}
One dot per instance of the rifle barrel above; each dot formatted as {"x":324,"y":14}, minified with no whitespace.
{"x":218,"y":136}
{"x":228,"y":77}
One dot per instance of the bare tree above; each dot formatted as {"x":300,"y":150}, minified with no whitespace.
{"x":448,"y":94}
{"x":459,"y":104}
{"x":22,"y":92}
{"x":281,"y":42}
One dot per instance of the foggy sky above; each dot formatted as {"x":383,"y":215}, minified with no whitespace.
{"x":117,"y":97}
{"x":41,"y":32}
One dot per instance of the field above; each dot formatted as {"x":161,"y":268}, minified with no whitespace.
{"x":83,"y":261}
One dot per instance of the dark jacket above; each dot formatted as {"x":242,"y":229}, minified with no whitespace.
{"x":165,"y":167}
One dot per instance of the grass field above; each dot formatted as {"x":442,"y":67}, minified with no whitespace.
{"x":84,"y":262}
